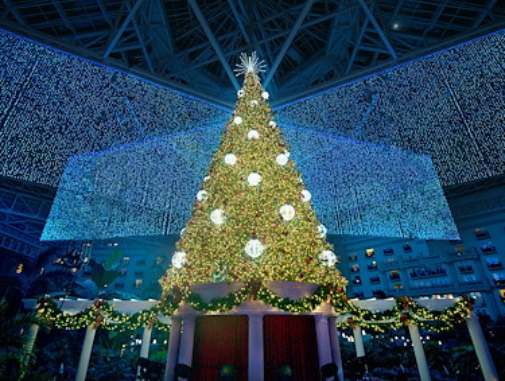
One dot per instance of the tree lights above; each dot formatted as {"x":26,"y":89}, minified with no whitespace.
{"x":263,"y":226}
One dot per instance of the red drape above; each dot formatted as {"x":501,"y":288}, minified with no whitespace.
{"x":220,"y":340}
{"x":291,"y":340}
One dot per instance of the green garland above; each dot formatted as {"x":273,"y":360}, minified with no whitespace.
{"x":406,"y":310}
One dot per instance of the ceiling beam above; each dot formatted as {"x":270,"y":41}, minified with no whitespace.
{"x":378,"y":28}
{"x":121,"y":29}
{"x":239,"y":21}
{"x":287,"y":43}
{"x":214,"y":43}
{"x":356,"y":45}
{"x":15,"y":12}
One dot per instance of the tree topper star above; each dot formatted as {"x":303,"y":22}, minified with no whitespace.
{"x":249,"y":64}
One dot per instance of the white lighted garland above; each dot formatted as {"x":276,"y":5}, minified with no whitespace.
{"x":217,"y":216}
{"x":254,"y":179}
{"x":254,"y":248}
{"x":179,"y":259}
{"x":230,"y":159}
{"x":287,"y":212}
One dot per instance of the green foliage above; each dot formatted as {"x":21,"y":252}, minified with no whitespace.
{"x":108,"y":272}
{"x":16,"y":355}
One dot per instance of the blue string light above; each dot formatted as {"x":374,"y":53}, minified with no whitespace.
{"x":449,"y":105}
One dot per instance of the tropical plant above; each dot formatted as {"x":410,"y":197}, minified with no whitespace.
{"x":16,"y":351}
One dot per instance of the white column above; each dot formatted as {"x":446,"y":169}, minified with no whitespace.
{"x":256,"y":365}
{"x":87,"y":346}
{"x":173,"y":348}
{"x":358,"y":341}
{"x":187,"y":341}
{"x":422,"y":363}
{"x":146,"y":343}
{"x":335,"y":347}
{"x":481,"y":348}
{"x":323,"y":340}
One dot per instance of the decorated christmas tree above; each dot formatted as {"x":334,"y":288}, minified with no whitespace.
{"x":253,"y":219}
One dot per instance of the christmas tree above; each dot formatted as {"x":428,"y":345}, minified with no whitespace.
{"x":253,"y":219}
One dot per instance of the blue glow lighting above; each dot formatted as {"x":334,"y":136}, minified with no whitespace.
{"x":144,"y":188}
{"x":371,"y":190}
{"x":449,"y":106}
{"x":148,"y":188}
{"x":53,"y":105}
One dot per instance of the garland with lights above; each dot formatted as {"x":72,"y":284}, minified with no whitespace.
{"x":406,"y":310}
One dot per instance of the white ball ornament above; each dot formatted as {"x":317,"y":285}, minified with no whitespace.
{"x":253,"y":134}
{"x":179,"y":259}
{"x":254,"y":102}
{"x":306,"y":196}
{"x":237,"y":120}
{"x":287,"y":212}
{"x":328,"y":258}
{"x":254,"y":248}
{"x":322,"y":231}
{"x":230,"y":159}
{"x":272,"y":124}
{"x":265,"y":95}
{"x":217,"y":216}
{"x":240,"y":93}
{"x":254,"y":179}
{"x":202,"y":195}
{"x":282,"y":159}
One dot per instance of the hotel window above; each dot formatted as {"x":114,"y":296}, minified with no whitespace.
{"x":398,"y":286}
{"x":353,"y":256}
{"x":394,"y":275}
{"x":493,"y":263}
{"x":158,"y":261}
{"x":370,"y":253}
{"x":139,"y":273}
{"x":138,"y":283}
{"x":482,"y":234}
{"x":388,"y":251}
{"x":373,"y":265}
{"x":355,"y":268}
{"x":487,"y":248}
{"x":465,"y":267}
{"x":356,"y":280}
{"x":19,"y":269}
{"x":126,"y":261}
{"x":407,"y":248}
{"x":375,"y":279}
{"x":123,"y":272}
{"x":141,"y":262}
{"x":119,"y":285}
{"x":499,"y":278}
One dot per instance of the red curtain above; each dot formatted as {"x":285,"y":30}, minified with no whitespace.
{"x":220,"y":340}
{"x":291,"y":340}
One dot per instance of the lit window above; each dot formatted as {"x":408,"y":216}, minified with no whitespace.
{"x":370,"y":253}
{"x":19,"y":269}
{"x":126,"y":260}
{"x":398,"y":286}
{"x":482,"y":234}
{"x":138,"y":283}
{"x":394,"y":275}
{"x":355,"y":268}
